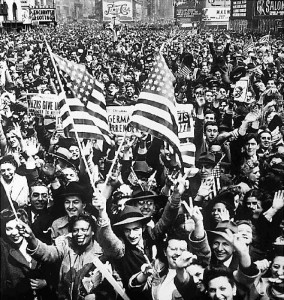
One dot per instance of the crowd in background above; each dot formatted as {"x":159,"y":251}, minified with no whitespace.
{"x":213,"y":231}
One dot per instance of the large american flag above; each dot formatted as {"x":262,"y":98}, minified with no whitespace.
{"x":155,"y":111}
{"x":87,"y":110}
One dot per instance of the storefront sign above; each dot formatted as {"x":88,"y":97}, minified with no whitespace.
{"x":43,"y":14}
{"x":269,"y":8}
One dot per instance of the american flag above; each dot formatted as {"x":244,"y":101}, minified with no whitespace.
{"x":248,"y":45}
{"x":184,"y":70}
{"x":264,"y":39}
{"x":87,"y":110}
{"x":188,"y":155}
{"x":156,"y":112}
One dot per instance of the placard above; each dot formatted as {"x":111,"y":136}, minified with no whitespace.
{"x":45,"y":105}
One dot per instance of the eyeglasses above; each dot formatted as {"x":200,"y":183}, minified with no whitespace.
{"x":43,"y":195}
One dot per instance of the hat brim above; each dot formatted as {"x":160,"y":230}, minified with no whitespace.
{"x":224,"y":235}
{"x":66,"y":160}
{"x":144,"y":220}
{"x":205,"y":161}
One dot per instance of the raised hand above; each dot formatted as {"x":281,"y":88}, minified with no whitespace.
{"x":206,"y":187}
{"x":147,"y":270}
{"x":224,"y":215}
{"x":31,"y":146}
{"x":185,"y":259}
{"x":278,"y":200}
{"x":99,"y":201}
{"x":239,"y":244}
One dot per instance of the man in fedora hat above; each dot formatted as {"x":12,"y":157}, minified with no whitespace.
{"x":74,"y":204}
{"x":223,"y":245}
{"x":137,"y":238}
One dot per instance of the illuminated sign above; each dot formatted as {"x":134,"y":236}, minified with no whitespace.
{"x":269,"y":8}
{"x":122,"y":10}
{"x":239,"y":8}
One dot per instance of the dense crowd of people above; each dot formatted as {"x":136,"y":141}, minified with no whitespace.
{"x":213,"y":230}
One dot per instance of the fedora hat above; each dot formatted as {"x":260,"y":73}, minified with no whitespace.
{"x":75,"y":189}
{"x":206,"y":158}
{"x":222,"y":229}
{"x":237,"y":73}
{"x":138,"y":195}
{"x":64,"y":154}
{"x":129,"y":215}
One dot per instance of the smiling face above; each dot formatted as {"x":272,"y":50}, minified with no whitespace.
{"x":221,"y":289}
{"x":251,"y":147}
{"x":8,"y":171}
{"x":73,"y":206}
{"x":12,"y":232}
{"x":82,"y":233}
{"x":12,"y":139}
{"x":196,"y":272}
{"x":39,"y":197}
{"x":146,"y":206}
{"x":174,"y":250}
{"x":265,"y":140}
{"x":254,"y":205}
{"x":222,"y":249}
{"x":277,"y":271}
{"x":133,"y":232}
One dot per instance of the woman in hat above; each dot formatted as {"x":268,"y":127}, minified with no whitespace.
{"x":79,"y":277}
{"x":21,"y":276}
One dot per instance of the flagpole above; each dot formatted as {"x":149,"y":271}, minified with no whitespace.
{"x":98,"y":263}
{"x":75,"y":131}
{"x":115,"y":158}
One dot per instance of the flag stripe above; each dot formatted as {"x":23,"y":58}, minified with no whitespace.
{"x":160,"y":129}
{"x":156,"y":110}
{"x":87,"y":110}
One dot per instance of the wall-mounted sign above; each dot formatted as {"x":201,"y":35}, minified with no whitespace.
{"x":239,"y":8}
{"x":214,"y":13}
{"x":123,"y":10}
{"x":269,"y":8}
{"x":43,"y":14}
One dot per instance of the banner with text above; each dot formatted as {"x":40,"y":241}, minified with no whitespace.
{"x":45,"y":105}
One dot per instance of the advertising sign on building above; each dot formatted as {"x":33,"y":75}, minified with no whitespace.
{"x":269,"y":8}
{"x":239,"y":8}
{"x":122,"y":10}
{"x":43,"y":14}
{"x":214,"y":3}
{"x":216,"y":13}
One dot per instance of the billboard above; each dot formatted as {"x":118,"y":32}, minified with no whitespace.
{"x":269,"y":8}
{"x":239,"y":8}
{"x":122,"y":10}
{"x":42,"y":15}
{"x":216,"y":14}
